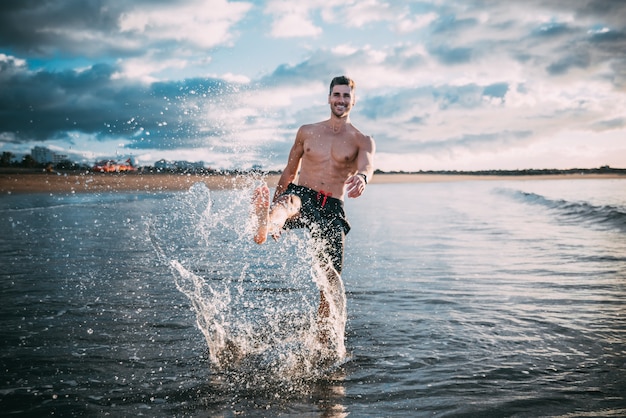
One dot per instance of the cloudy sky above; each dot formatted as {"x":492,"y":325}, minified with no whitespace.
{"x":441,"y":84}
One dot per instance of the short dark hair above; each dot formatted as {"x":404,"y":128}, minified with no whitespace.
{"x":342,"y":80}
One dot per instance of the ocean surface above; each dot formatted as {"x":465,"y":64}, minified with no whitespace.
{"x":463,"y":299}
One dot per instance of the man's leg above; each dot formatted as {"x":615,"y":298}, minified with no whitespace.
{"x":271,"y":218}
{"x":334,"y":257}
{"x":330,"y":260}
{"x":331,"y":311}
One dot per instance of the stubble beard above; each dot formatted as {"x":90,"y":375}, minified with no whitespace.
{"x":340,"y":114}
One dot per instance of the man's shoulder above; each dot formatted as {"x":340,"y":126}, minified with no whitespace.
{"x":316,"y":125}
{"x":360,"y":135}
{"x":307,"y":129}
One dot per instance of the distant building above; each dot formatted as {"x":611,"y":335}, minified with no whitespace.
{"x":45,"y":156}
{"x":163,"y":165}
{"x":189,"y":166}
{"x":179,"y":165}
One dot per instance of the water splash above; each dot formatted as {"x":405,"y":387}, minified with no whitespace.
{"x":257,"y":306}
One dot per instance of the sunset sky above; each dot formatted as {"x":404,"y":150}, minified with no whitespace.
{"x":441,"y":84}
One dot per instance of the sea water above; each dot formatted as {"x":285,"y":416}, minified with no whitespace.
{"x":469,"y":298}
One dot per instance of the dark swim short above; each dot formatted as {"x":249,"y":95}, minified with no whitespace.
{"x":324,"y":216}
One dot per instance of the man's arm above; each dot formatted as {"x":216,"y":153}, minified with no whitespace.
{"x":365,"y":165}
{"x":365,"y":159}
{"x":293,"y":165}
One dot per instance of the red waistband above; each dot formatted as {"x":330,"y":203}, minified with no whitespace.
{"x":323,"y":196}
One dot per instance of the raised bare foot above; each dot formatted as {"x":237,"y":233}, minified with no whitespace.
{"x":261,"y":202}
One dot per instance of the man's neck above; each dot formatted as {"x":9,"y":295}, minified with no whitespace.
{"x":337,"y":124}
{"x":338,"y":120}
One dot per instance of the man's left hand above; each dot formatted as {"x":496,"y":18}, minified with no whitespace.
{"x":356,"y":186}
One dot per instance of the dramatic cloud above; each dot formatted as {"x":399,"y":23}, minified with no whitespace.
{"x":440,"y":84}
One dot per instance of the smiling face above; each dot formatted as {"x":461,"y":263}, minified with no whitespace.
{"x":341,"y":99}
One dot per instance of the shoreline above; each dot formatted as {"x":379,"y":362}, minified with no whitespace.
{"x":43,"y":182}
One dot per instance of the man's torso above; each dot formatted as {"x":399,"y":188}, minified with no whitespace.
{"x":329,"y":157}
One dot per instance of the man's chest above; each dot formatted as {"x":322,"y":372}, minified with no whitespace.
{"x":340,"y":150}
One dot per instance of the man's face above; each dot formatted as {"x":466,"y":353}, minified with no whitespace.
{"x":341,"y":100}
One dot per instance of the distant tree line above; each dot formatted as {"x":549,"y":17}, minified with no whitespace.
{"x":524,"y":172}
{"x":8,"y":159}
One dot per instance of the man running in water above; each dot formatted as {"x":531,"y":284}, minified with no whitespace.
{"x":328,"y":160}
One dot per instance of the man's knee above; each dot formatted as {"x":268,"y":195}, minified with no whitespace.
{"x":290,"y":202}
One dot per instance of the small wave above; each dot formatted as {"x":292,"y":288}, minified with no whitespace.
{"x":604,"y":216}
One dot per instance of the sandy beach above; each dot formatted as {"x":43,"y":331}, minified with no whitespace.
{"x":106,"y":182}
{"x":42,"y":182}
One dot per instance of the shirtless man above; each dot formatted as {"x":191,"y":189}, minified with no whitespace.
{"x":330,"y":159}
